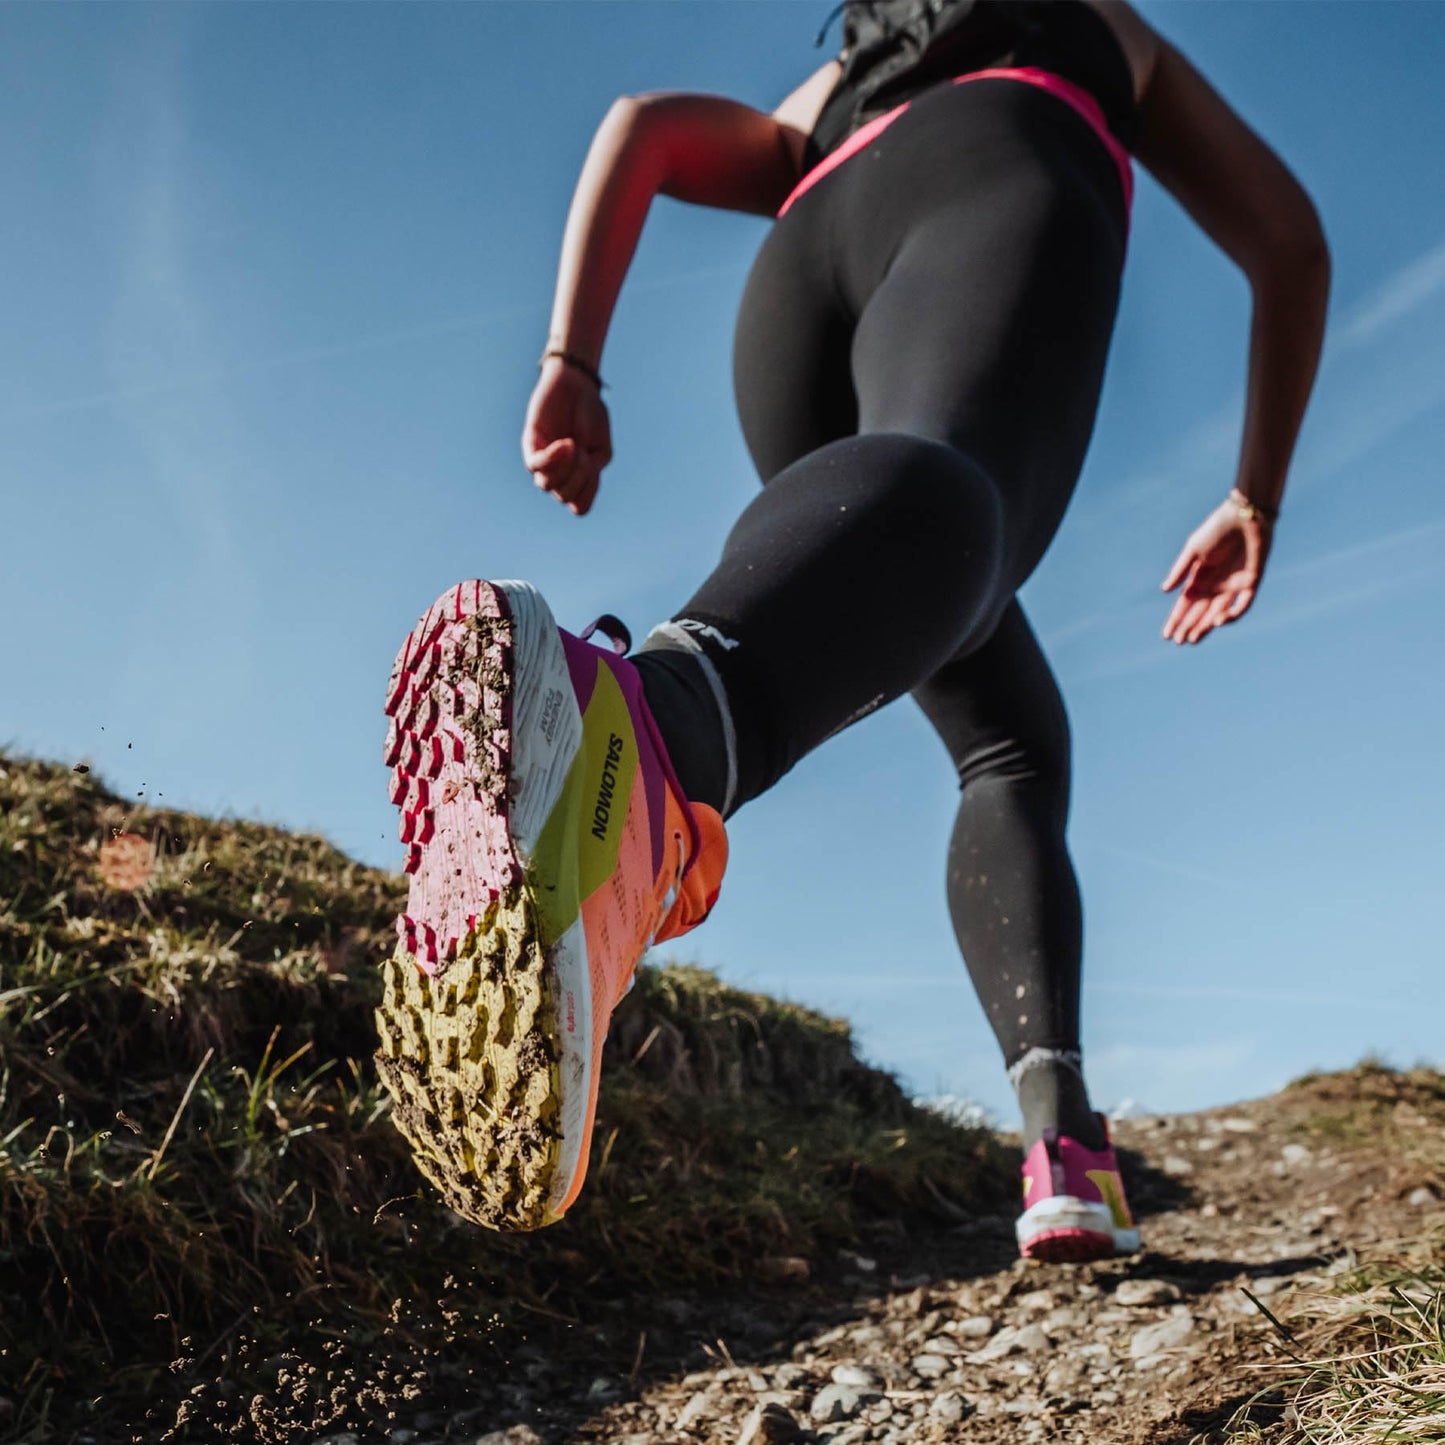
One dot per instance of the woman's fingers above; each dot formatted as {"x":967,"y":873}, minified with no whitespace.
{"x":1178,"y":616}
{"x":1192,"y":614}
{"x":1182,"y":564}
{"x":1212,"y":617}
{"x":551,"y":460}
{"x":582,"y":503}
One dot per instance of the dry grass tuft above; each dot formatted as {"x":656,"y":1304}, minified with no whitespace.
{"x":1363,"y":1364}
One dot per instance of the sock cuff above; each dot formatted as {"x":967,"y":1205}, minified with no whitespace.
{"x":1035,"y":1058}
{"x":672,"y":636}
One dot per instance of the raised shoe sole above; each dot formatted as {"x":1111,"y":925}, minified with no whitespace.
{"x":485,"y":1022}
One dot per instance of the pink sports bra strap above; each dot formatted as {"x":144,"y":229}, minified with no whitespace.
{"x":1065,"y":90}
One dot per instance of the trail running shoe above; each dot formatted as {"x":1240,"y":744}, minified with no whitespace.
{"x":548,"y":844}
{"x":1074,"y":1207}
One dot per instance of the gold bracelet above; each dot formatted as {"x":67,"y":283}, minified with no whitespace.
{"x":1252,"y":511}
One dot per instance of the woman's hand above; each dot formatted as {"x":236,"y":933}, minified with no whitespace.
{"x":567,"y":436}
{"x":1220,"y":567}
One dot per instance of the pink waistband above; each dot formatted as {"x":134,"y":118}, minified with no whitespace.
{"x":1066,"y":90}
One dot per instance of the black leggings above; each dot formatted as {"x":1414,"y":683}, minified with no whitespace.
{"x":918,"y":361}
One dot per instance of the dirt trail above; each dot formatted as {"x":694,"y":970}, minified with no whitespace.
{"x":959,"y":1340}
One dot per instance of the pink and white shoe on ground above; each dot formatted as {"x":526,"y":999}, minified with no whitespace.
{"x":1074,"y":1206}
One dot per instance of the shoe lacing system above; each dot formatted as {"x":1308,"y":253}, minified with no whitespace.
{"x":680,"y":908}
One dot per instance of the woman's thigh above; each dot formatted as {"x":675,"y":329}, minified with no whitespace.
{"x":792,"y":375}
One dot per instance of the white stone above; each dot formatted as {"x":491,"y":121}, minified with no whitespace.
{"x":1031,"y":1340}
{"x":941,"y":1345}
{"x":1176,"y":1165}
{"x":693,"y":1411}
{"x":1011,"y":1340}
{"x":948,"y":1408}
{"x":1134,"y":1292}
{"x":769,"y":1426}
{"x":1062,"y":1378}
{"x":1037,"y":1299}
{"x":837,"y":1402}
{"x":931,"y":1367}
{"x":1020,"y":1405}
{"x":860,"y":1377}
{"x":1421,"y":1198}
{"x":1295,"y":1154}
{"x":1267,"y":1284}
{"x":975,"y":1327}
{"x":788,"y":1399}
{"x":1170,"y":1334}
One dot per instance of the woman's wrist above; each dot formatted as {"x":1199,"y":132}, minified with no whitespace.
{"x":576,"y":361}
{"x":1252,"y":511}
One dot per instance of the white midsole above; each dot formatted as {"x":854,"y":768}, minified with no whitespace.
{"x":1062,"y":1211}
{"x":546,"y":723}
{"x":546,"y":737}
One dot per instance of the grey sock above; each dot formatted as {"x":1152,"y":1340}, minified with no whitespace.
{"x":1051,"y":1093}
{"x":693,"y":725}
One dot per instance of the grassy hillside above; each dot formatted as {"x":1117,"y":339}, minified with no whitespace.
{"x":1362,"y":1362}
{"x":208,"y":1227}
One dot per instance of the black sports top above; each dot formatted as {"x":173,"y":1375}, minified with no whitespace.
{"x":1068,"y":37}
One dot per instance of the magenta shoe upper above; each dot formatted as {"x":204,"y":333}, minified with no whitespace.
{"x":1059,"y":1165}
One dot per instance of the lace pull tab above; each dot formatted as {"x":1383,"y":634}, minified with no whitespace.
{"x":614,"y":630}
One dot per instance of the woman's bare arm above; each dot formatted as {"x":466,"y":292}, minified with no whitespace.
{"x":697,"y":148}
{"x":1245,"y":200}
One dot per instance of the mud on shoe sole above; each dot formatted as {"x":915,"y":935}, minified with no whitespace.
{"x":468,"y":1059}
{"x":469,"y":1048}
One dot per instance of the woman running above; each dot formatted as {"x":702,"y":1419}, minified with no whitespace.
{"x":918,"y":361}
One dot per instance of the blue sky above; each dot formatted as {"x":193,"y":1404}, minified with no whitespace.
{"x":274,"y":279}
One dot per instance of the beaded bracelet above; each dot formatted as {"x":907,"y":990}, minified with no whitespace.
{"x":577,"y":363}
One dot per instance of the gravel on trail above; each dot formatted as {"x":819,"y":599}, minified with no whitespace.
{"x":956,"y":1339}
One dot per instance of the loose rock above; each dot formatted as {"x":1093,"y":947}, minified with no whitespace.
{"x":770,"y":1425}
{"x":948,"y":1408}
{"x":1145,"y":1292}
{"x":693,"y":1411}
{"x":931,"y":1366}
{"x":1170,"y":1334}
{"x":837,"y":1402}
{"x":858,"y":1376}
